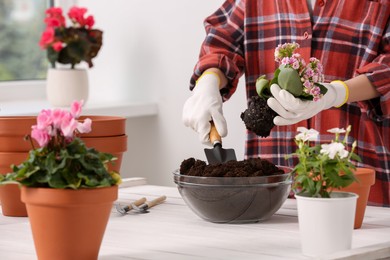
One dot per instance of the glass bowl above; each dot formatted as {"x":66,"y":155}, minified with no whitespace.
{"x":234,"y":199}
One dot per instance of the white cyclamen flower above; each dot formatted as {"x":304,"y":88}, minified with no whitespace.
{"x":333,"y":149}
{"x":336,"y":130}
{"x":306,"y":134}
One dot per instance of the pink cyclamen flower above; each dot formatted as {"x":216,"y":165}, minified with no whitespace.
{"x":47,"y":37}
{"x":40,"y":135}
{"x":84,"y":127}
{"x":68,"y":126}
{"x":44,"y":119}
{"x":75,"y":108}
{"x":59,"y":115}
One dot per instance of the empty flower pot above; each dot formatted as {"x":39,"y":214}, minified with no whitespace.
{"x":366,"y":178}
{"x":16,"y":125}
{"x":105,"y":126}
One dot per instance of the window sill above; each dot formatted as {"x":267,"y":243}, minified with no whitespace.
{"x":125,"y":109}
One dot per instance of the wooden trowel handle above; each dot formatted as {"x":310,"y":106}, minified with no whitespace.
{"x":156,"y":201}
{"x":214,"y":135}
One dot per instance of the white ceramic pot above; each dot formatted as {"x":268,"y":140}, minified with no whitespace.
{"x":63,"y":86}
{"x":326,"y":224}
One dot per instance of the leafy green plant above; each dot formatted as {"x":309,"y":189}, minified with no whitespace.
{"x":62,"y":160}
{"x":323,"y":168}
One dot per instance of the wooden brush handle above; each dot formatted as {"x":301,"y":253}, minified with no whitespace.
{"x":214,"y":135}
{"x":156,"y":201}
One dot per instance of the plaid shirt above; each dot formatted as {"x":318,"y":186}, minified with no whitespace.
{"x":349,"y":37}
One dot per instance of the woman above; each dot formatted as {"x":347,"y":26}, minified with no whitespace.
{"x":352,"y":41}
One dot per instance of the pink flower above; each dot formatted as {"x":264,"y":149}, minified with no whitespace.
{"x":75,"y":108}
{"x":44,"y":119}
{"x":54,"y":17}
{"x":85,"y":127}
{"x":307,"y":84}
{"x":40,"y":135}
{"x":54,"y":22}
{"x":47,"y":37}
{"x":90,"y":21}
{"x":57,"y":46}
{"x":76,"y":14}
{"x":68,"y":126}
{"x":54,"y":11}
{"x":57,"y":116}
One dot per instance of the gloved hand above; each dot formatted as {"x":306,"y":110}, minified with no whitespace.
{"x":205,"y":105}
{"x":292,"y":110}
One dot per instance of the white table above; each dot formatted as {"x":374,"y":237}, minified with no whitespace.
{"x":172,"y":231}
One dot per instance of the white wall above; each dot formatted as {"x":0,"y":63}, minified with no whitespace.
{"x":149,"y":51}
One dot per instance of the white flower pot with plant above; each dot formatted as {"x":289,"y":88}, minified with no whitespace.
{"x":326,"y":218}
{"x":69,"y":46}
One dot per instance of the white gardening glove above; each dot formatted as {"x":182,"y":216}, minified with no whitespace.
{"x":203,"y":106}
{"x":292,"y":110}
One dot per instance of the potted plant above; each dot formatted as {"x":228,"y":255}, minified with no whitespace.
{"x":66,"y":187}
{"x":300,"y":78}
{"x":69,"y":46}
{"x":326,"y":217}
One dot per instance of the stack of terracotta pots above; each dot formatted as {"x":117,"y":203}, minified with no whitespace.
{"x":108,"y":135}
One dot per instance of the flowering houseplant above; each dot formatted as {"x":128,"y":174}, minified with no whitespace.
{"x":62,"y":160}
{"x":73,"y":44}
{"x":294,"y":75}
{"x":322,"y":168}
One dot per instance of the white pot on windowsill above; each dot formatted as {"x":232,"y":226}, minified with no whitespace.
{"x":63,"y":86}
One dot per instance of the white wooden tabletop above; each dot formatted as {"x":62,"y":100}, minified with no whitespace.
{"x":172,"y":231}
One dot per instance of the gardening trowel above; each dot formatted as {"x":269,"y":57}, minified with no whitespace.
{"x":218,"y":154}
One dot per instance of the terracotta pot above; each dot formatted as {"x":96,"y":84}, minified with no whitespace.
{"x":366,"y":178}
{"x":15,"y":144}
{"x":105,"y":126}
{"x":16,"y":125}
{"x":11,"y":204}
{"x":68,"y":224}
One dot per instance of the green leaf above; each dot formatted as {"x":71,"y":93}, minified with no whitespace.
{"x":262,"y":87}
{"x":323,"y":89}
{"x":290,"y":80}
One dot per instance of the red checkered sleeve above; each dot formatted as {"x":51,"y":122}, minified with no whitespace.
{"x":378,"y":72}
{"x":222,"y":47}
